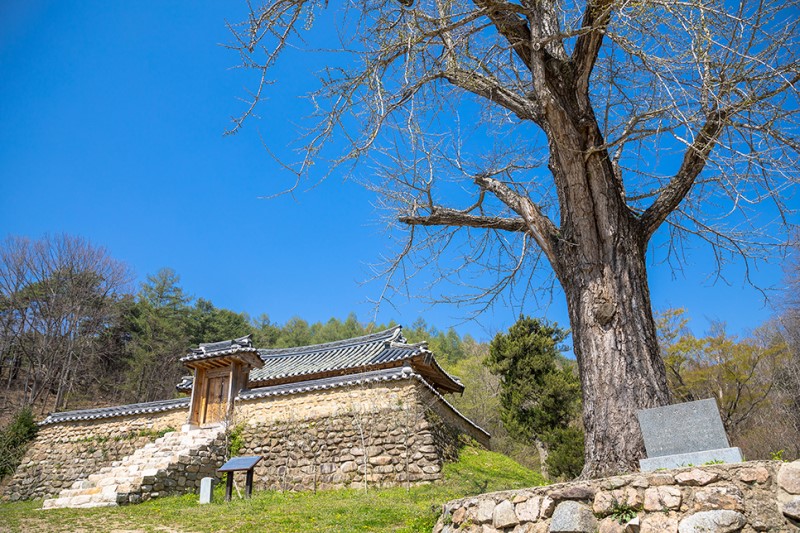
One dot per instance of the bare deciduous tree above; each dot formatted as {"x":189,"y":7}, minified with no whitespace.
{"x":531,"y":133}
{"x":57,"y":295}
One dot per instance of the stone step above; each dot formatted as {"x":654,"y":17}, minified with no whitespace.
{"x":140,"y":468}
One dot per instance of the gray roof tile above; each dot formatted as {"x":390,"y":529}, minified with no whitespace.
{"x":118,"y":410}
{"x":388,"y":374}
{"x":377,"y":348}
{"x":217,"y":349}
{"x":359,"y":354}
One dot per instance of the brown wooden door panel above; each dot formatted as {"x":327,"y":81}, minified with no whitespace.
{"x":217,"y":399}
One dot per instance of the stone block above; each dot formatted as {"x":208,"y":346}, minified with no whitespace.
{"x":696,"y":477}
{"x":757,"y":474}
{"x":710,"y":498}
{"x":605,"y":501}
{"x":575,"y":492}
{"x":206,"y":488}
{"x":528,"y":511}
{"x":547,"y":507}
{"x":659,"y":523}
{"x":721,"y":521}
{"x":459,"y":515}
{"x":504,"y":515}
{"x":789,"y":477}
{"x":610,"y":525}
{"x":791,"y":509}
{"x":79,"y":500}
{"x":614,"y":483}
{"x":573,"y":517}
{"x":484,"y":511}
{"x":661,"y":498}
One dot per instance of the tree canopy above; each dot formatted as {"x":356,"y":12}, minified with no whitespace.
{"x":531,"y":133}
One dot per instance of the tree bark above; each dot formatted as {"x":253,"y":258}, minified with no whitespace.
{"x":614,"y":337}
{"x":542,"y":449}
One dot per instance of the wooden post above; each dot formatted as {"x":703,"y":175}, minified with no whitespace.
{"x":249,"y":483}
{"x":229,"y":487}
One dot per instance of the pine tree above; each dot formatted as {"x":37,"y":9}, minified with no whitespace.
{"x":540,"y":394}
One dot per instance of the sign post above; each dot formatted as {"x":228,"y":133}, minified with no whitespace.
{"x":240,"y":464}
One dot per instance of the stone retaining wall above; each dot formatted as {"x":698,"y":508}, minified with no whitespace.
{"x":746,"y":497}
{"x":375,"y":435}
{"x":67,"y":452}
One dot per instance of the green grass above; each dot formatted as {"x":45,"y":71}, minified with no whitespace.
{"x":349,"y":510}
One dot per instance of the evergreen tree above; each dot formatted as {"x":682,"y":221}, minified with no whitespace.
{"x":265,"y":333}
{"x":540,"y":394}
{"x":159,"y":328}
{"x":210,"y":324}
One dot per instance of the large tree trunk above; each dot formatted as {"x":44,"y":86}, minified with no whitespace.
{"x":614,"y":336}
{"x":598,"y":254}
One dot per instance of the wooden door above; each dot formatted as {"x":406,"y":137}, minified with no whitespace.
{"x":216,"y":399}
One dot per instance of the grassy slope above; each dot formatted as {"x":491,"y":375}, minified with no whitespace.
{"x":395,"y":509}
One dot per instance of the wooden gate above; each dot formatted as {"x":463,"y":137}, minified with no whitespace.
{"x":217,"y":381}
{"x":216,"y":406}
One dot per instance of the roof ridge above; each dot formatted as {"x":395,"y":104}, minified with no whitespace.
{"x":390,"y":334}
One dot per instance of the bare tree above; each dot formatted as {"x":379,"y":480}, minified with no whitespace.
{"x":534,"y":133}
{"x":59,"y":295}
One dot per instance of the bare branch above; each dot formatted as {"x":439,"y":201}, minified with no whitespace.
{"x":540,"y":227}
{"x":587,"y":48}
{"x":693,"y":163}
{"x":451,"y":217}
{"x":510,"y":25}
{"x":493,"y":91}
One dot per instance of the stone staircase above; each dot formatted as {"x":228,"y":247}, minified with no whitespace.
{"x":172,"y":464}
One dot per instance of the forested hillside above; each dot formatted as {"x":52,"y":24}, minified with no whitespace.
{"x":75,"y":332}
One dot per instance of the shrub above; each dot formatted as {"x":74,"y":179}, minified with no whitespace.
{"x":14,"y":439}
{"x":565,"y":457}
{"x":235,"y":440}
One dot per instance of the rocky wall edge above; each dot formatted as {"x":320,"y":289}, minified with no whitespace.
{"x":742,"y":497}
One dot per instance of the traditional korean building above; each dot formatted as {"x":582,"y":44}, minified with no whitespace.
{"x":364,"y":411}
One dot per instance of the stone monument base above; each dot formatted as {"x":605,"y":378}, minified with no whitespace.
{"x":725,"y":455}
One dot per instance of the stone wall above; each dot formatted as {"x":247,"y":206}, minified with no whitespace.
{"x":67,"y":452}
{"x":382,"y":434}
{"x":746,"y":497}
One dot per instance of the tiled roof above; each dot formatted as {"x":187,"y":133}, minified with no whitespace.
{"x":185,"y":384}
{"x":119,"y":410}
{"x":217,"y":349}
{"x":375,"y":351}
{"x":367,"y":351}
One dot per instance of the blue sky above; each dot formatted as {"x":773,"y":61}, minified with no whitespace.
{"x":112,"y":119}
